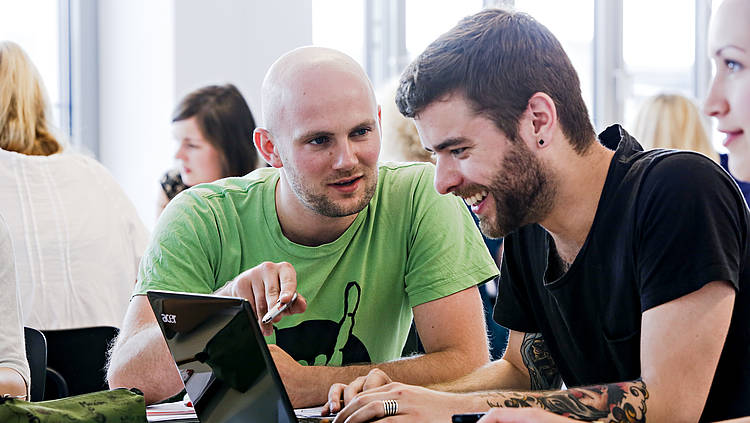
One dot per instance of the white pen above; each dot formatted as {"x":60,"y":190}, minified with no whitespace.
{"x":277,"y":309}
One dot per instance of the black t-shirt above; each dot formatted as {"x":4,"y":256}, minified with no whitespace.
{"x":667,"y":223}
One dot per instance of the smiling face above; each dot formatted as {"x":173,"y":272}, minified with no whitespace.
{"x":729,"y":95}
{"x":327,"y":134}
{"x":199,"y":160}
{"x":503,"y":182}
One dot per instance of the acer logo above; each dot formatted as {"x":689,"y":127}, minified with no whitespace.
{"x":168,"y":318}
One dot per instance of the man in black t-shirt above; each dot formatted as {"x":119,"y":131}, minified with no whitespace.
{"x":625,"y":275}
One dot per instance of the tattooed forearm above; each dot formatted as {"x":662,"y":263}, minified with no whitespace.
{"x":623,"y":402}
{"x":542,"y":369}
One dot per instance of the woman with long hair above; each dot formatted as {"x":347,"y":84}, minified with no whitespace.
{"x":76,"y":235}
{"x":213,"y":126}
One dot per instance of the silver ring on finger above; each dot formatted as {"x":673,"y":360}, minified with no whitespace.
{"x":390,"y":407}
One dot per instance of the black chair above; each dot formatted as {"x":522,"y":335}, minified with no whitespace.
{"x":76,"y":360}
{"x":36,"y":354}
{"x":413,"y":344}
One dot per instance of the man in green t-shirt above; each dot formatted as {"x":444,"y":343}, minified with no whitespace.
{"x":363,"y":246}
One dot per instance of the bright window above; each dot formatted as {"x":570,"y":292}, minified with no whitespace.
{"x":34,"y":25}
{"x":425,"y":21}
{"x":577,"y":39}
{"x":658,"y":50}
{"x":340,"y":24}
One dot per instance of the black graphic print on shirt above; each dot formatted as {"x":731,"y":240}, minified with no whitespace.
{"x":318,"y":342}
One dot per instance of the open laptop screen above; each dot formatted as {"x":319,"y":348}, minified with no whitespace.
{"x":222,"y":357}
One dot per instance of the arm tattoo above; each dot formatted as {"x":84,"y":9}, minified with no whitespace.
{"x":537,"y":358}
{"x":623,"y":402}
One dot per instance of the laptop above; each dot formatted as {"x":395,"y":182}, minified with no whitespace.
{"x":223,"y":359}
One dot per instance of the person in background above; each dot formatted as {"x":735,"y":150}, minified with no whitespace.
{"x":672,"y":121}
{"x":214,"y":127}
{"x":77,"y":236}
{"x":728,"y":98}
{"x":744,"y":185}
{"x":14,"y":369}
{"x":602,"y":285}
{"x":401,"y":143}
{"x":400,"y":137}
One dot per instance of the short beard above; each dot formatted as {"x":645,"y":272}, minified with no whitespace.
{"x":523,"y":190}
{"x":323,"y":205}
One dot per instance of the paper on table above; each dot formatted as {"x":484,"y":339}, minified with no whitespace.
{"x":171,"y":411}
{"x":308,"y":412}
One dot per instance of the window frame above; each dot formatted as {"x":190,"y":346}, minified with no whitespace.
{"x":385,"y":51}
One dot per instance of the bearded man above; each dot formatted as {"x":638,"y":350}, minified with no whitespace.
{"x":625,"y":272}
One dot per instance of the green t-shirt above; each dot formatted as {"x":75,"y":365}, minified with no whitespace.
{"x":409,"y":246}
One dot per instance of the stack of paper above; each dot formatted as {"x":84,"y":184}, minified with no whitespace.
{"x":180,"y":411}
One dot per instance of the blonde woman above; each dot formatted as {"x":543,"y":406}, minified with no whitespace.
{"x":672,"y":121}
{"x":77,"y":236}
{"x":400,"y":141}
{"x":728,"y":99}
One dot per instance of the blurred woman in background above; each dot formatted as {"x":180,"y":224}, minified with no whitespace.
{"x":728,"y":98}
{"x":672,"y":121}
{"x":76,"y":235}
{"x":214,"y":128}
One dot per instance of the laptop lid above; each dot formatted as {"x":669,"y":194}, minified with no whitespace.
{"x":222,"y":357}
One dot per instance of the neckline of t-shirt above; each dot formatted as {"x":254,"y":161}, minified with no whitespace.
{"x":62,"y":155}
{"x":611,"y":170}
{"x":273,"y":227}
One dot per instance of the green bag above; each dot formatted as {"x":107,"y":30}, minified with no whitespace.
{"x":118,"y":405}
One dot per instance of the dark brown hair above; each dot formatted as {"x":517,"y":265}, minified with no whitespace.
{"x":225,"y":120}
{"x":498,"y":59}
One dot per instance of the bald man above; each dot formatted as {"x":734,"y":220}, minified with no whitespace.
{"x":363,"y":246}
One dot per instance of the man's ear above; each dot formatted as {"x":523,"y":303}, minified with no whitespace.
{"x":380,"y":120}
{"x":542,"y":115}
{"x":266,"y":146}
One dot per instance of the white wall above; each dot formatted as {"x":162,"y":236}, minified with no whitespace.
{"x":236,"y":41}
{"x":136,"y":95}
{"x":154,"y":52}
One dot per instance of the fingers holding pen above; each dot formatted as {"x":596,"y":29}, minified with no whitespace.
{"x":286,"y":292}
{"x":266,"y":286}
